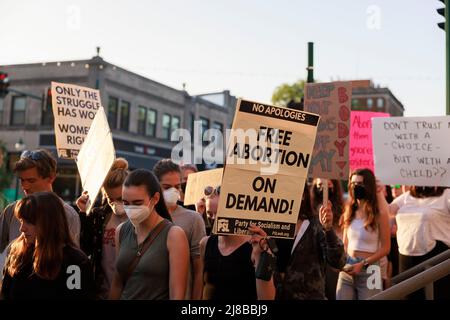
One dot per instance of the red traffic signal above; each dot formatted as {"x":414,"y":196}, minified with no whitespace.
{"x":4,"y":84}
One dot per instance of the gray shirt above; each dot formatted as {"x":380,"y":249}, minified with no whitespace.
{"x":149,"y":280}
{"x":194,"y":227}
{"x":10,"y":225}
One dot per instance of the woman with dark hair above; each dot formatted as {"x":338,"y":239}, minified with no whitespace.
{"x":152,"y":253}
{"x":315,"y":246}
{"x":44,"y":263}
{"x":423,"y":230}
{"x":366,"y":234}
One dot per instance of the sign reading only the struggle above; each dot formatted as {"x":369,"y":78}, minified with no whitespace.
{"x":412,"y":150}
{"x":268,"y":155}
{"x":74,"y":108}
{"x":332,"y":102}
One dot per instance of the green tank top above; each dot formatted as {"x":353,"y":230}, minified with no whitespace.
{"x":150,"y":279}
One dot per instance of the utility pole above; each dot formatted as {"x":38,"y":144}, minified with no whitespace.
{"x":446,"y":27}
{"x":310,"y":67}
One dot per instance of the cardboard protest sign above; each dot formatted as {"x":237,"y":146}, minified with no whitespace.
{"x":412,"y":150}
{"x":268,"y":156}
{"x":332,"y":102}
{"x":361,"y":148}
{"x":197,"y":182}
{"x":96,"y":156}
{"x":74,"y":108}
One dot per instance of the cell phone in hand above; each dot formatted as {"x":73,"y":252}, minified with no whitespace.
{"x":348,"y":268}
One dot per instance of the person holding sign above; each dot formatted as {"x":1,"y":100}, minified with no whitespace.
{"x":43,"y":262}
{"x":99,"y":227}
{"x":423,"y":231}
{"x":316,"y":246}
{"x":366,"y":235}
{"x":229,"y":263}
{"x":152,"y":253}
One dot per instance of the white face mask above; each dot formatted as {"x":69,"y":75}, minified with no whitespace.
{"x":118,"y":209}
{"x":171,"y":196}
{"x":137,"y":214}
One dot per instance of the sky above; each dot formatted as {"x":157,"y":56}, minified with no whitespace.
{"x":246,"y":46}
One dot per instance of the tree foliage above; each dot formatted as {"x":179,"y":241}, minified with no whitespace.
{"x":285,"y":93}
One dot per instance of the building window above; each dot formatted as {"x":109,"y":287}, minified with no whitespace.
{"x":147,"y":121}
{"x":205,"y":125}
{"x":151,"y":123}
{"x":166,"y":126}
{"x":380,"y":103}
{"x":18,"y":110}
{"x":218,"y":126}
{"x":142,"y":114}
{"x":112,"y":112}
{"x":124,"y":115}
{"x":355,"y":104}
{"x":369,"y":103}
{"x":175,"y":124}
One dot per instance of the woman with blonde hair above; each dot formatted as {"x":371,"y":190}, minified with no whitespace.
{"x":99,"y":227}
{"x":43,"y":262}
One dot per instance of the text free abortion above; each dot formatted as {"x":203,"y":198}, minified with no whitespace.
{"x":271,"y":155}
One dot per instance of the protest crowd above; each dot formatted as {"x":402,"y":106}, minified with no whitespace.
{"x":141,"y":239}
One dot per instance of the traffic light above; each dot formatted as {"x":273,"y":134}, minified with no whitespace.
{"x":4,"y":84}
{"x":441,"y":11}
{"x":48,"y":100}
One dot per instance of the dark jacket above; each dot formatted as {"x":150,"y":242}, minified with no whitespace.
{"x":91,"y":238}
{"x":74,"y":281}
{"x":305,"y":274}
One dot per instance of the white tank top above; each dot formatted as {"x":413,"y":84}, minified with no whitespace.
{"x":360,"y":239}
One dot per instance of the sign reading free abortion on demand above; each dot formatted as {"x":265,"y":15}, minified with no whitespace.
{"x":268,"y":156}
{"x":412,"y":150}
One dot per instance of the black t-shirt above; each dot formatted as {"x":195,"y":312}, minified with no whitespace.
{"x":229,"y":277}
{"x":74,"y":281}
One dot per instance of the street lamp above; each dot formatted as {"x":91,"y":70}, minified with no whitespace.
{"x":19,"y":146}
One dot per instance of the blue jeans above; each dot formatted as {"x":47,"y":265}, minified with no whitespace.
{"x":356,"y":287}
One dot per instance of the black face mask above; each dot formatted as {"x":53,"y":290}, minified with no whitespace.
{"x":360,"y":192}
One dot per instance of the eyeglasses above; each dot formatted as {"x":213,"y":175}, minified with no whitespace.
{"x":33,"y":155}
{"x":210,"y":191}
{"x":397,"y":186}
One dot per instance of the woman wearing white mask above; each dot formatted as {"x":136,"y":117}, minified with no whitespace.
{"x":152,"y":253}
{"x":98,"y":228}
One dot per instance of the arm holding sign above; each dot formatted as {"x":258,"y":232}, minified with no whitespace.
{"x":334,"y":250}
{"x":265,"y":289}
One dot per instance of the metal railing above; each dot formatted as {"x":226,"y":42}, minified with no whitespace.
{"x":421,"y":276}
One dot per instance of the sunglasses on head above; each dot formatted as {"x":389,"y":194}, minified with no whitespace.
{"x":33,"y":155}
{"x":209,"y":191}
{"x":396,"y":186}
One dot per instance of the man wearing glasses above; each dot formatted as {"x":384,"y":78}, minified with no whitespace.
{"x":37,"y":172}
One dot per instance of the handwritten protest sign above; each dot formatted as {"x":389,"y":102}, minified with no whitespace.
{"x":412,"y":150}
{"x":332,"y":102}
{"x":197,"y":182}
{"x":268,"y":156}
{"x":361,"y":148}
{"x":74,"y":108}
{"x":96,"y":156}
